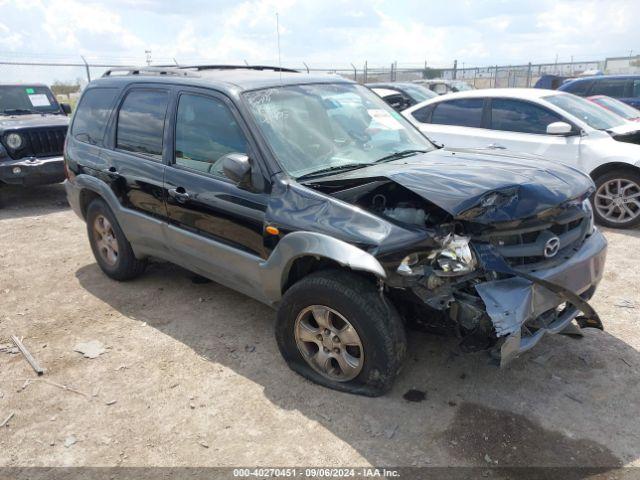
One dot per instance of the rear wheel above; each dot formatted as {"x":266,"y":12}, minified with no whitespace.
{"x":335,"y":329}
{"x":110,"y":247}
{"x":616,"y":203}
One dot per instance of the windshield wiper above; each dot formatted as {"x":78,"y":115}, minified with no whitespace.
{"x":12,"y":111}
{"x":400,"y":154}
{"x":335,"y":168}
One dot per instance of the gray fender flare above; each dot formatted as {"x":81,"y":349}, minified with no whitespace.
{"x":96,"y":185}
{"x":275,"y":269}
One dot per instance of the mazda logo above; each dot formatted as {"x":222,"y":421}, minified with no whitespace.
{"x":551,"y":247}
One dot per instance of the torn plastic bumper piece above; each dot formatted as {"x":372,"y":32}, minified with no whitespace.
{"x":512,"y":302}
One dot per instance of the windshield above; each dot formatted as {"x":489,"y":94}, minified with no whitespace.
{"x":593,"y":115}
{"x":616,"y":106}
{"x":317,"y":127}
{"x":419,"y":93}
{"x":24,"y":99}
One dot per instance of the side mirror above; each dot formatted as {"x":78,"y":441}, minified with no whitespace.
{"x":66,"y":108}
{"x":237,"y":168}
{"x":559,"y":128}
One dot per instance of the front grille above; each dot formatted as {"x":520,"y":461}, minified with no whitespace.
{"x":525,"y":246}
{"x":38,"y":142}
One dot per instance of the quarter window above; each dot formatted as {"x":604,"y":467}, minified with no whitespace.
{"x":423,"y":114}
{"x":466,"y":112}
{"x":92,"y":115}
{"x":141,"y":122}
{"x":516,"y":116}
{"x":206,"y":130}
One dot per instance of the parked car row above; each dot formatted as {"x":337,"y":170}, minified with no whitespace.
{"x":625,"y":88}
{"x":549,"y":123}
{"x":312,"y":195}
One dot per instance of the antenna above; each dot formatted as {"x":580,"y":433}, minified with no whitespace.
{"x":278,"y":35}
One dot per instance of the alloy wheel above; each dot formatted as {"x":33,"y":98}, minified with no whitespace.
{"x":105,"y":239}
{"x":329,"y":343}
{"x":618,"y":200}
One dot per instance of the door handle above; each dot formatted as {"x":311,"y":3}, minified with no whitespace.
{"x":495,"y":146}
{"x":179,"y":193}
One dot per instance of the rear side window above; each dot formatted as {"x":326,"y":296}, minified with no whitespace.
{"x":466,"y":112}
{"x":141,"y":122}
{"x":635,"y":91}
{"x":206,"y":130}
{"x":517,"y":116}
{"x":578,"y":88}
{"x":91,"y":118}
{"x":612,"y":88}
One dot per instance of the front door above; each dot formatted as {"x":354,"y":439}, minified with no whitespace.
{"x":215,"y":226}
{"x":521,"y":126}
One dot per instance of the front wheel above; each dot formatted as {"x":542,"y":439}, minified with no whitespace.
{"x":616,"y":203}
{"x":336,"y":329}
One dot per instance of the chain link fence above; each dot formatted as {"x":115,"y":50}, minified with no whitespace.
{"x":78,"y":72}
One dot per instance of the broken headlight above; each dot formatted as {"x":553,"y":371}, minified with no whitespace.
{"x":454,"y":258}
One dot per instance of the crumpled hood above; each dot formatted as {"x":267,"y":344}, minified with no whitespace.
{"x":35,"y":120}
{"x":461,"y":180}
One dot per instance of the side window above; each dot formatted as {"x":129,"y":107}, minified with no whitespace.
{"x":578,"y":87}
{"x":517,"y":116}
{"x":466,"y":112}
{"x":635,"y":92}
{"x":423,"y":115}
{"x":141,"y":122}
{"x":206,"y":130}
{"x":612,"y":88}
{"x":397,"y":101}
{"x":92,"y":115}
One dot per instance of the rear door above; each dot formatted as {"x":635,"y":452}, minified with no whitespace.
{"x":214,"y":226}
{"x":521,"y":126}
{"x":453,"y":123}
{"x":135,"y":161}
{"x":135,"y":168}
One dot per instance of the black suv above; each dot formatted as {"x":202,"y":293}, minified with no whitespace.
{"x":312,"y":195}
{"x":33,"y":126}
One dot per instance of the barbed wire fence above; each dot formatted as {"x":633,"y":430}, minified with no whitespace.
{"x":79,"y":71}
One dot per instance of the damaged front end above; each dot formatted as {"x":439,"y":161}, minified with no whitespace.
{"x":502,"y":288}
{"x":497,"y":285}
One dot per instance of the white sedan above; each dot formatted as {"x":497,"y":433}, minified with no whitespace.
{"x":555,"y":125}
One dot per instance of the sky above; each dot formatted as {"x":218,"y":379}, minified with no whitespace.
{"x":322,"y":33}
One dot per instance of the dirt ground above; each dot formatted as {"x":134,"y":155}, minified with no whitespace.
{"x":192,"y":375}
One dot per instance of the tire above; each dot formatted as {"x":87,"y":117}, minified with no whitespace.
{"x":608,"y":192}
{"x":356,"y":300}
{"x":123,"y":265}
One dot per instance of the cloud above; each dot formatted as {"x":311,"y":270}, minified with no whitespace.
{"x":322,"y":33}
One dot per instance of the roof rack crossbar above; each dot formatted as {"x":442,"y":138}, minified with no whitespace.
{"x":234,"y":67}
{"x":149,"y":71}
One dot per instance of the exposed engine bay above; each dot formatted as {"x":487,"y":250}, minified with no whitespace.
{"x":490,"y":284}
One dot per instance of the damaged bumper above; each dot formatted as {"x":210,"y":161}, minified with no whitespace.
{"x":524,"y":308}
{"x":32,"y":171}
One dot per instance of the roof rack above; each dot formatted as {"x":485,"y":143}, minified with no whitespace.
{"x":169,"y":71}
{"x":234,"y":67}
